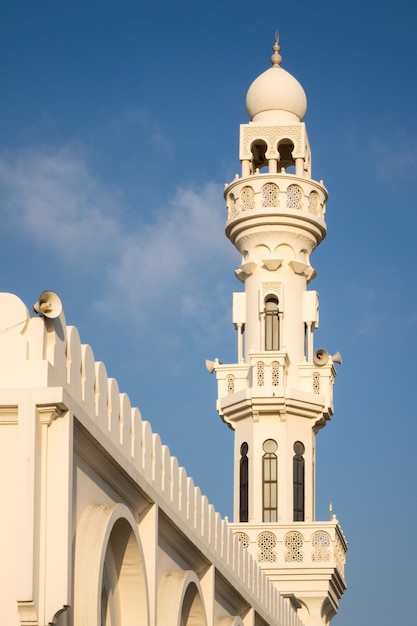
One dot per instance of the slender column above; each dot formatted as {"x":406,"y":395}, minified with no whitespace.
{"x":246,"y":170}
{"x":273,"y":166}
{"x":299,"y":167}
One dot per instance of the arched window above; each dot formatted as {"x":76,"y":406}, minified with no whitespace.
{"x":270,"y":481}
{"x":298,"y":482}
{"x":271,"y":323}
{"x":259,"y":160}
{"x":285,"y":149}
{"x":244,"y":483}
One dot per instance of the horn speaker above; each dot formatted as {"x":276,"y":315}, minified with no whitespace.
{"x":49,"y":305}
{"x":337,"y":358}
{"x":211,"y":365}
{"x":321,"y":357}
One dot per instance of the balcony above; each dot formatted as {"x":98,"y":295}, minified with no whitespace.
{"x":303,"y":558}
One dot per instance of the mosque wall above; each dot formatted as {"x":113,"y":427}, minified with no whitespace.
{"x":101,"y":525}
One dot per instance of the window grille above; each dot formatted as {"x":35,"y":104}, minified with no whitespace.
{"x":275,"y":373}
{"x":294,"y":197}
{"x":247,"y":199}
{"x":244,"y":539}
{"x":321,"y":543}
{"x":266,"y":544}
{"x":316,"y":382}
{"x":260,"y":373}
{"x":270,"y":193}
{"x":294,"y":542}
{"x":314,"y":203}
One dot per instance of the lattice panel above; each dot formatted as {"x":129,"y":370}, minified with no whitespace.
{"x":266,"y":544}
{"x":270,"y":193}
{"x":260,"y":373}
{"x":321,"y":543}
{"x":294,"y":542}
{"x":230,"y":384}
{"x":316,"y":382}
{"x":314,"y":203}
{"x":244,"y":539}
{"x":275,"y":373}
{"x":294,"y":197}
{"x":247,"y":199}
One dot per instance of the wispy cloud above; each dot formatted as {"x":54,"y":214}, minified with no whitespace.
{"x":52,"y":195}
{"x":172,"y":263}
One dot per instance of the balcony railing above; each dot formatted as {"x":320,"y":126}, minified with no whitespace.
{"x":299,"y":545}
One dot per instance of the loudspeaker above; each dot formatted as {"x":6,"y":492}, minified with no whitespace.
{"x":321,"y":357}
{"x":211,"y":365}
{"x":337,"y":358}
{"x":48,"y":305}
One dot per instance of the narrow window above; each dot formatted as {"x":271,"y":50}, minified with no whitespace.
{"x":298,"y":482}
{"x":244,"y":484}
{"x":271,"y":323}
{"x":270,"y":481}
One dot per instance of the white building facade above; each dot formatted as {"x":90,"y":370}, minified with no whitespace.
{"x":100,"y":525}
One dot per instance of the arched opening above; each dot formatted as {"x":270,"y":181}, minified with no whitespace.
{"x":192,"y":613}
{"x":271,"y":323}
{"x":259,"y":160}
{"x":298,"y":482}
{"x":122,"y":578}
{"x":270,"y":481}
{"x":110,"y":586}
{"x":180,"y":600}
{"x":286,"y":160}
{"x":244,"y":483}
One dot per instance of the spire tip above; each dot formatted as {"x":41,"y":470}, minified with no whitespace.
{"x":276,"y":58}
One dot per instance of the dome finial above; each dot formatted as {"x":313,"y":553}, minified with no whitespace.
{"x":276,"y":57}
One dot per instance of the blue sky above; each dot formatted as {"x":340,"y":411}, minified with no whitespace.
{"x":118,"y":129}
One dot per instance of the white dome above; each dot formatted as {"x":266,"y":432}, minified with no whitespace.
{"x":276,"y":96}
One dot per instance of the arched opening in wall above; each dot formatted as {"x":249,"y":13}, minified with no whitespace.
{"x":110,"y":585}
{"x":271,"y":323}
{"x":110,"y":608}
{"x":244,"y":483}
{"x":192,"y":611}
{"x":259,"y":160}
{"x":180,"y":600}
{"x":286,"y":160}
{"x":298,"y":482}
{"x":270,"y":481}
{"x":123,"y":593}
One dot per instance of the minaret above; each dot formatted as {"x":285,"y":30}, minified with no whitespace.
{"x":279,"y":394}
